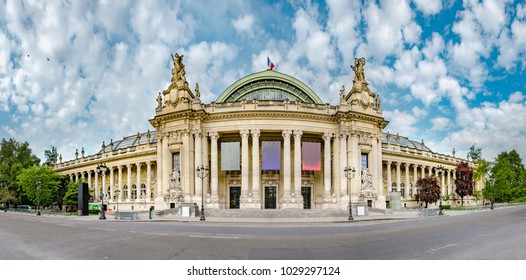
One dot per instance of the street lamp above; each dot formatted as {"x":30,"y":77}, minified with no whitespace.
{"x":117,"y":198}
{"x":349,"y":173}
{"x":101,"y":171}
{"x":492,"y":180}
{"x":440,"y":170}
{"x":38,"y":196}
{"x":202,"y":172}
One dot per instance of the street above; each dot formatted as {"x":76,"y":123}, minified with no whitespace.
{"x":481,"y":235}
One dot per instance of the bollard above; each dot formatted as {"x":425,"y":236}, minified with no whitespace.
{"x":151,"y":208}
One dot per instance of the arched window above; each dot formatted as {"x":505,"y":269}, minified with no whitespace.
{"x":143,"y":191}
{"x":393,"y":187}
{"x":134,"y":192}
{"x":125,"y":192}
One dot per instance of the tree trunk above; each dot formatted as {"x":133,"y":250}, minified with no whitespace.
{"x":461,"y":201}
{"x":426,"y":204}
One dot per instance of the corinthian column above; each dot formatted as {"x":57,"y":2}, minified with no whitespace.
{"x":297,"y":165}
{"x":343,"y":162}
{"x":213,"y":168}
{"x":244,"y":164}
{"x":255,"y":166}
{"x":198,"y":160}
{"x":286,"y":163}
{"x":327,"y":165}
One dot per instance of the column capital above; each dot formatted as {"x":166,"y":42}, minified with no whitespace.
{"x":197,"y":132}
{"x":255,"y":133}
{"x":343,"y":134}
{"x":398,"y":164}
{"x":298,"y":133}
{"x":244,"y":133}
{"x":327,"y":136}
{"x":389,"y":163}
{"x":286,"y":133}
{"x":214,"y":135}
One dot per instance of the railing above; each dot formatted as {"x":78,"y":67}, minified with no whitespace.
{"x":126,"y":215}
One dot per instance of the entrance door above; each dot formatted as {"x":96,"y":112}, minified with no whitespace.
{"x":235,"y":193}
{"x":305,"y":192}
{"x":270,"y":197}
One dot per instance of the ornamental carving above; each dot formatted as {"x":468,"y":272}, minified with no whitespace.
{"x":367,"y":191}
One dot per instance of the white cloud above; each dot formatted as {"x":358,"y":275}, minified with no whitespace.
{"x":516,"y":97}
{"x":429,"y":7}
{"x":343,"y":24}
{"x":401,"y":122}
{"x":244,"y":24}
{"x":440,"y":124}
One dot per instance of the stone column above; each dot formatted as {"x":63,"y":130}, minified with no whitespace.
{"x":389,"y":181}
{"x":449,"y":182}
{"x":138,"y":181}
{"x":327,"y":166}
{"x":430,"y":171}
{"x":336,"y":173}
{"x":159,"y":197}
{"x":286,"y":164}
{"x":244,"y":165}
{"x":90,"y":186}
{"x":205,"y":162}
{"x":398,"y":177}
{"x":103,"y":185}
{"x":96,"y":188}
{"x":380,"y":186}
{"x":198,"y":160}
{"x":83,"y":177}
{"x":128,"y":187}
{"x":187,"y":172}
{"x":214,"y":166}
{"x":120,"y":183}
{"x":443,"y":183}
{"x":407,"y":185}
{"x":148,"y":180}
{"x":423,"y":171}
{"x":167,"y":165}
{"x":343,"y":163}
{"x":354,"y":160}
{"x":373,"y":164}
{"x":256,"y":180}
{"x":297,"y":165}
{"x":112,"y":191}
{"x":415,"y":175}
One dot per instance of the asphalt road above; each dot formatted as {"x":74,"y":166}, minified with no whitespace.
{"x":481,"y":235}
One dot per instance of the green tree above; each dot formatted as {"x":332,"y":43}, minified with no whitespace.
{"x":510,"y":177}
{"x":51,"y":155}
{"x":428,"y":190}
{"x":7,"y":196}
{"x":40,"y":184}
{"x":72,"y":194}
{"x":14,"y":157}
{"x":463,"y":181}
{"x":475,"y":153}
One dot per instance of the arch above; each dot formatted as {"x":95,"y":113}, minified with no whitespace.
{"x":269,"y":85}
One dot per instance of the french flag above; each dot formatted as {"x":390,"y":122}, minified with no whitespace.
{"x":270,"y":64}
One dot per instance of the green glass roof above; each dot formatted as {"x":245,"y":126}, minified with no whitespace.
{"x":269,"y":85}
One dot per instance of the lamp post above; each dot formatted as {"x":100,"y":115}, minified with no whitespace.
{"x":349,"y":173}
{"x":202,"y":172}
{"x":117,"y":198}
{"x":492,"y":180}
{"x":101,"y":171}
{"x":38,"y":196}
{"x":440,"y":170}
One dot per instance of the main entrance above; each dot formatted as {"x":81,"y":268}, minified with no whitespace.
{"x":270,"y":197}
{"x":305,"y":192}
{"x":235,"y":193}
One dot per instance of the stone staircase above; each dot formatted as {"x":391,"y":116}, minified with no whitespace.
{"x":275,"y":213}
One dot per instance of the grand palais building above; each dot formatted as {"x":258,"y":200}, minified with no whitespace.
{"x":267,"y":142}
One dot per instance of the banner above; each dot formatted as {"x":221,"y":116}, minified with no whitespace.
{"x":271,"y":155}
{"x":230,"y":156}
{"x":311,"y":159}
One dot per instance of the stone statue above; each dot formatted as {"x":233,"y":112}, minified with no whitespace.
{"x":82,"y":152}
{"x":148,"y":136}
{"x":397,"y":139}
{"x":388,"y":137}
{"x":178,"y":72}
{"x":342,"y":93}
{"x":159,"y":101}
{"x":359,"y":75}
{"x":111,"y":145}
{"x":138,"y":139}
{"x":197,"y":93}
{"x":76,"y":153}
{"x":103,"y":147}
{"x":377,"y":101}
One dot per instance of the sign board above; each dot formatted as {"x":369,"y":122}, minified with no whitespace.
{"x":186,"y":211}
{"x":361,"y":210}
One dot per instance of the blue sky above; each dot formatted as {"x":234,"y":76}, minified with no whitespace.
{"x":448,"y":72}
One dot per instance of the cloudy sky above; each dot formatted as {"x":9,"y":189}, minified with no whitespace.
{"x":75,"y":73}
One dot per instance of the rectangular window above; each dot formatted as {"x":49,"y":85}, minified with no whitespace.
{"x":176,"y":161}
{"x":365,"y":161}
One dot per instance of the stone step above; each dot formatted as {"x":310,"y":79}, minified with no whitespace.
{"x":275,"y":213}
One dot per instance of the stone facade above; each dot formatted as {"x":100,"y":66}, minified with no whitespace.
{"x":158,"y":168}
